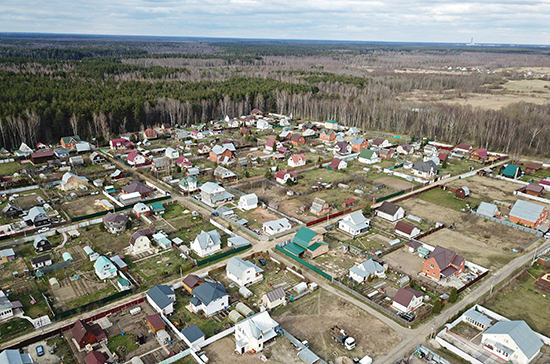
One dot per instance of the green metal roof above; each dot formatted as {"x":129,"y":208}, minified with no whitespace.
{"x":315,"y":246}
{"x":366,"y":153}
{"x":303,"y":237}
{"x":157,"y":206}
{"x":294,"y":249}
{"x":510,"y":170}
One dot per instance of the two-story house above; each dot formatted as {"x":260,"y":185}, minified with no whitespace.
{"x":443,"y":263}
{"x":162,"y":299}
{"x":115,"y":223}
{"x":213,"y":195}
{"x":242,"y":272}
{"x":206,"y":243}
{"x":209,"y":298}
{"x":104,"y":268}
{"x":252,"y":333}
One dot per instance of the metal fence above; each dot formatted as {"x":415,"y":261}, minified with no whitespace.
{"x":508,"y":223}
{"x":304,"y":263}
{"x":322,"y":219}
{"x":222,"y":255}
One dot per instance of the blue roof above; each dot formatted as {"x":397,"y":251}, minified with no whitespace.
{"x":525,"y":338}
{"x":208,"y":292}
{"x":192,"y":333}
{"x":159,"y":295}
{"x":101,"y":262}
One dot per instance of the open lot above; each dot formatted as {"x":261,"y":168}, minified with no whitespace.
{"x":521,"y":300}
{"x":311,"y":318}
{"x":84,"y":205}
{"x":280,"y":351}
{"x":488,"y":189}
{"x":405,"y":262}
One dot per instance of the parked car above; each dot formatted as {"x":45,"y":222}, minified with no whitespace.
{"x":215,"y":213}
{"x":406,"y":316}
{"x":262,"y":262}
{"x":42,"y":230}
{"x":39,"y":350}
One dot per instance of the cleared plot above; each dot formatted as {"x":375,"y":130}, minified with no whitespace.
{"x":404,"y":262}
{"x":280,"y":351}
{"x":310,"y":318}
{"x":488,"y":189}
{"x":83,"y":206}
{"x":395,"y":183}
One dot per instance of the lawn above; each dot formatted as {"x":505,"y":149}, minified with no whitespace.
{"x":447,"y":199}
{"x":521,"y":300}
{"x":9,"y":168}
{"x":455,"y":166}
{"x":14,"y":327}
{"x":190,"y":227}
{"x":39,"y":308}
{"x":172,"y":211}
{"x":82,"y":300}
{"x":161,"y":268}
{"x":104,"y":241}
{"x":128,"y":341}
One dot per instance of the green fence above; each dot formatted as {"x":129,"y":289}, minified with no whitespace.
{"x":304,"y":263}
{"x":399,"y":193}
{"x":222,"y":255}
{"x":93,"y":305}
{"x":117,"y":209}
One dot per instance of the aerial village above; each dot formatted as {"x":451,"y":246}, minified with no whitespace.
{"x":266,"y":238}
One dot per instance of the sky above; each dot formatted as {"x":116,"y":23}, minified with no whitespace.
{"x":447,"y":21}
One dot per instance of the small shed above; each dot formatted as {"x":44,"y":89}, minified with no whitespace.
{"x":462,"y":193}
{"x":244,"y":309}
{"x":54,"y":283}
{"x":245,"y":292}
{"x":193,"y":334}
{"x":155,"y":323}
{"x":235,"y":316}
{"x":67,"y":256}
{"x":349,"y":202}
{"x":163,"y":337}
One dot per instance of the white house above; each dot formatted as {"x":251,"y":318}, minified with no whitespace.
{"x":248,"y":202}
{"x":512,"y":341}
{"x":104,"y":268}
{"x":135,"y":159}
{"x":252,"y":333}
{"x":209,"y":298}
{"x":262,"y":124}
{"x":189,"y":184}
{"x":162,"y":298}
{"x":6,"y":307}
{"x":139,"y":242}
{"x":283,"y":176}
{"x":242,"y":272}
{"x":381,"y":143}
{"x":213,"y":194}
{"x":368,"y":156}
{"x":297,"y":160}
{"x":391,"y":212}
{"x":354,"y":224}
{"x":426,"y":169}
{"x":141,"y":209}
{"x":274,"y":298}
{"x":171,"y":153}
{"x":369,"y":268}
{"x":276,"y":226}
{"x":341,"y":148}
{"x":407,"y":300}
{"x":207,"y":243}
{"x":406,"y":230}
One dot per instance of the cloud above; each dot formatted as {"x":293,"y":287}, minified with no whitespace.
{"x":503,"y":21}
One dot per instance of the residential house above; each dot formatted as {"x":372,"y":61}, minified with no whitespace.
{"x":119,"y":143}
{"x":116,"y":175}
{"x":143,"y":190}
{"x":11,"y":210}
{"x":488,"y":209}
{"x":162,"y":298}
{"x":528,"y":214}
{"x":353,"y":131}
{"x":283,"y":176}
{"x":531,"y":168}
{"x":431,"y":150}
{"x":479,"y":155}
{"x":242,"y":272}
{"x":276,"y":226}
{"x":193,"y":335}
{"x":319,"y":207}
{"x":171,"y":153}
{"x":354,"y":224}
{"x":248,"y":202}
{"x":161,"y":238}
{"x":358,"y":144}
{"x":115,"y":223}
{"x":150,"y":134}
{"x":214,"y":195}
{"x":97,"y":158}
{"x":263,"y":124}
{"x":272,"y":143}
{"x":209,"y":298}
{"x":368,"y":156}
{"x":463,"y":149}
{"x":6,"y":181}
{"x":140,"y":209}
{"x":367,"y":270}
{"x":7,"y":255}
{"x":37,"y":216}
{"x":512,"y":341}
{"x":462,"y":193}
{"x":384,"y":153}
{"x":87,"y":334}
{"x":161,"y":164}
{"x":307,"y":242}
{"x":309,"y":126}
{"x":285,"y":134}
{"x":245,"y":131}
{"x":139,"y":241}
{"x":41,"y":261}
{"x":381,"y":143}
{"x":407,"y":300}
{"x":191,"y":172}
{"x":327,"y":135}
{"x":309,"y":133}
{"x":71,"y":181}
{"x":41,"y":244}
{"x":252,"y":333}
{"x":341,"y":148}
{"x":41,"y":157}
{"x":203,"y":148}
{"x":425,"y":169}
{"x":331,"y":124}
{"x":297,"y":139}
{"x":406,"y":230}
{"x":13,"y":356}
{"x":297,"y":160}
{"x":207,"y":243}
{"x":191,"y":282}
{"x":155,"y":323}
{"x":223,"y":174}
{"x":196,"y":134}
{"x":104,"y":268}
{"x":405,"y":149}
{"x":274,"y":298}
{"x":443,"y":263}
{"x":222,"y":154}
{"x":512,"y":171}
{"x":534,"y":189}
{"x":70,"y":141}
{"x":337,"y":164}
{"x":189,"y":184}
{"x":390,"y":211}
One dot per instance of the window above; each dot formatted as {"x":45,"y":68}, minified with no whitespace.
{"x":431,"y":265}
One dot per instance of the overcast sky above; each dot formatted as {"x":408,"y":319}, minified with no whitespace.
{"x":487,"y":21}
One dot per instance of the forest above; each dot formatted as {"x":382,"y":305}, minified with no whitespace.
{"x":99,"y":87}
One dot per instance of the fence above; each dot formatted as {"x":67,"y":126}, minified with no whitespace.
{"x":471,"y":283}
{"x":304,"y":263}
{"x":340,"y":213}
{"x":429,"y":232}
{"x":507,"y":223}
{"x":414,"y":194}
{"x":222,"y":255}
{"x":117,"y":209}
{"x":91,"y":305}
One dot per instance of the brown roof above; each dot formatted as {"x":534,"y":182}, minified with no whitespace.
{"x":141,"y":232}
{"x":295,"y":137}
{"x":335,"y":163}
{"x":136,"y":187}
{"x":155,"y":321}
{"x":535,"y":187}
{"x":378,"y":141}
{"x":405,"y":295}
{"x":444,"y":257}
{"x":192,"y":280}
{"x":42,"y":154}
{"x":112,"y":217}
{"x":414,"y":244}
{"x":95,"y":357}
{"x":389,"y":208}
{"x":404,"y":227}
{"x":81,"y":328}
{"x":535,"y":166}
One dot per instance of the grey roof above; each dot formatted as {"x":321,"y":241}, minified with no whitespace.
{"x":238,"y":241}
{"x":38,"y":239}
{"x":161,"y":162}
{"x":275,"y":294}
{"x":277,"y":224}
{"x":4,"y":302}
{"x":35,"y":212}
{"x":487,"y":209}
{"x":525,"y":338}
{"x":478,"y":317}
{"x":367,"y":268}
{"x":68,"y":175}
{"x":526,"y":210}
{"x":466,"y":190}
{"x":159,"y":295}
{"x":208,"y":238}
{"x":426,"y":167}
{"x":7,"y":252}
{"x":208,"y":292}
{"x":223,"y":172}
{"x":357,"y":218}
{"x":250,"y":199}
{"x":238,"y":266}
{"x":192,"y":333}
{"x":211,"y":187}
{"x":13,"y":356}
{"x":308,"y":356}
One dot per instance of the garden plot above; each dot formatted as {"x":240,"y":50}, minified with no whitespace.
{"x":84,"y":205}
{"x":488,"y":189}
{"x":395,"y":183}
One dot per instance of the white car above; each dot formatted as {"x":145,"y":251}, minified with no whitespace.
{"x":42,"y":230}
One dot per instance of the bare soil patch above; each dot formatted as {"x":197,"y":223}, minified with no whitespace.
{"x":488,"y":189}
{"x":404,"y":262}
{"x":394,"y":183}
{"x":279,"y":351}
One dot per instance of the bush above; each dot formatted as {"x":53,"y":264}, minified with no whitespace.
{"x":437,"y":306}
{"x":453,"y":296}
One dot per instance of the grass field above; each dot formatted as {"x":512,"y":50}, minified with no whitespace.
{"x":172,"y":211}
{"x":14,"y":327}
{"x":521,"y":300}
{"x":447,"y":199}
{"x":128,"y":341}
{"x":82,"y":300}
{"x":9,"y":168}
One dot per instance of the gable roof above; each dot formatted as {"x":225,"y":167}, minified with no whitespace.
{"x":101,"y":262}
{"x":511,"y":170}
{"x":357,"y":140}
{"x":136,"y":187}
{"x":335,"y":163}
{"x":208,"y":292}
{"x":304,"y":236}
{"x":482,"y":153}
{"x":367,"y":268}
{"x":141,"y":232}
{"x":378,"y":141}
{"x":426,"y":167}
{"x":113,"y":217}
{"x":367,"y":153}
{"x":80,"y":329}
{"x":405,"y":295}
{"x":486,"y":208}
{"x":297,"y":157}
{"x":159,"y":295}
{"x":404,"y":227}
{"x":527,"y":341}
{"x":296,"y":137}
{"x":210,"y":237}
{"x":389,"y":208}
{"x":275,"y":294}
{"x":526,"y":210}
{"x":238,"y":266}
{"x":192,"y":280}
{"x":445,"y":257}
{"x":13,"y":356}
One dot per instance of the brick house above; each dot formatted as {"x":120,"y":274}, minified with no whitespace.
{"x":443,"y":263}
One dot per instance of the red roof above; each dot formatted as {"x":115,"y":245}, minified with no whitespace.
{"x":42,"y":154}
{"x":150,"y":133}
{"x":80,"y":329}
{"x":155,"y":321}
{"x":442,"y":156}
{"x":131,"y":156}
{"x":351,"y":200}
{"x":404,"y":227}
{"x":335,"y":163}
{"x":95,"y":357}
{"x":482,"y":153}
{"x":463,"y":146}
{"x":282,"y":174}
{"x":270,"y":143}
